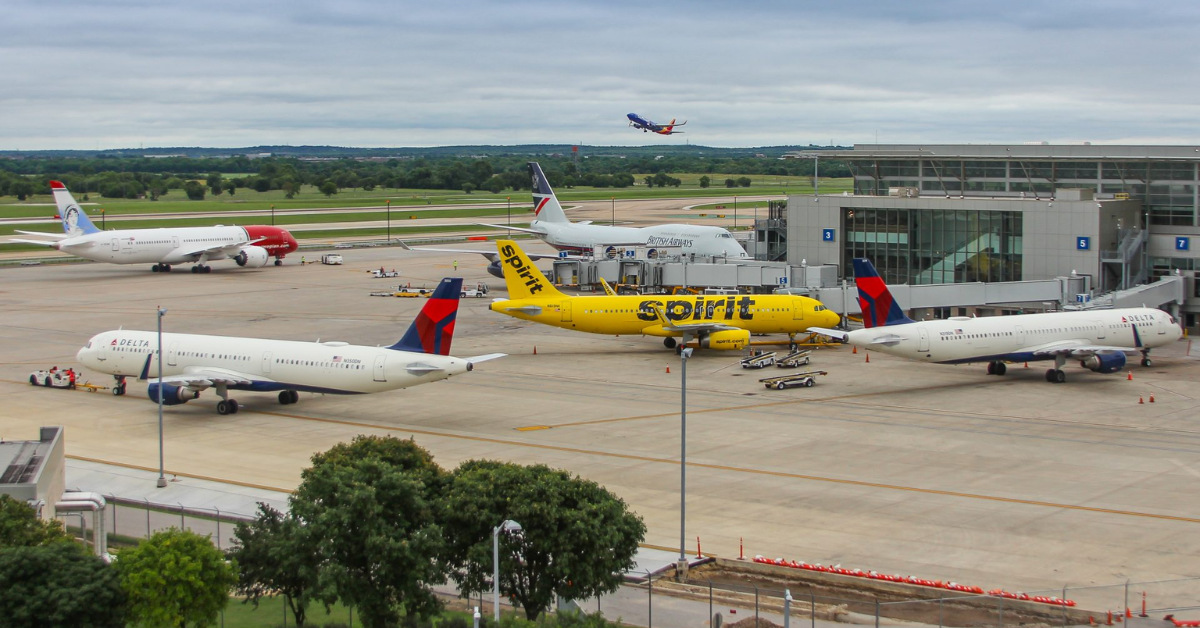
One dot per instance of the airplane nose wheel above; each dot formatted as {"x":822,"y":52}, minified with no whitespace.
{"x":1056,"y":376}
{"x":227,"y":406}
{"x":279,"y":262}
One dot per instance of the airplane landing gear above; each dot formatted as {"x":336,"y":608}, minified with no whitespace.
{"x":227,"y":406}
{"x":161,"y":268}
{"x":118,"y":389}
{"x":1056,"y":376}
{"x":1146,"y":358}
{"x":201,"y":268}
{"x":279,"y":262}
{"x":997,"y":368}
{"x":669,"y":342}
{"x":287,"y":397}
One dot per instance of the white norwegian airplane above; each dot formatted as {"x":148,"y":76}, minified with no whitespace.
{"x":1099,"y":339}
{"x":251,"y":246}
{"x":550,"y":223}
{"x":195,"y":363}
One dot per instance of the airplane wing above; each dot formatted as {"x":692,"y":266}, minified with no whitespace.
{"x":533,"y":231}
{"x":687,"y":328}
{"x":1080,"y":349}
{"x":836,"y":334}
{"x":484,"y":358}
{"x":222,"y":248}
{"x":56,"y":236}
{"x":490,"y":255}
{"x":203,"y":377}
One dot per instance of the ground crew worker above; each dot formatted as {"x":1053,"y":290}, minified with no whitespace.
{"x":455,"y":265}
{"x":71,"y":376}
{"x":302,"y":262}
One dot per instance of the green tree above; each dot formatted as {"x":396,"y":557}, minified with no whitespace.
{"x":21,"y":189}
{"x":274,"y":555}
{"x":230,"y":187}
{"x":194,"y":191}
{"x":577,"y":539}
{"x":329,"y":188}
{"x":175,"y":578}
{"x":705,"y":181}
{"x":468,"y":187}
{"x":744,"y":181}
{"x":730,"y":183}
{"x":58,"y":585}
{"x":649,"y":181}
{"x":369,"y":508}
{"x":494,"y":185}
{"x":290,"y":187}
{"x":21,"y":527}
{"x":214,"y":183}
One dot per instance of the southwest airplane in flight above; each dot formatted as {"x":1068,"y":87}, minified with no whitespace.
{"x":195,"y":363}
{"x":1099,"y":339}
{"x":715,"y":321}
{"x":251,"y":246}
{"x":638,"y":122}
{"x":551,"y":225}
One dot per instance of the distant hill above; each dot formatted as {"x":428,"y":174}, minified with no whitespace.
{"x":531,"y":150}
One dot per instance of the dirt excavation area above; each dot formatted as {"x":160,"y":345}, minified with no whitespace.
{"x":747,"y":586}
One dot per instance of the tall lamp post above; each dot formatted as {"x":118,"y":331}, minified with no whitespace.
{"x":684,"y":354}
{"x":389,"y":219}
{"x":511,"y":527}
{"x":102,"y":221}
{"x":508,"y":209}
{"x":272,"y":214}
{"x":614,"y":210}
{"x":162,"y":480}
{"x":735,"y":213}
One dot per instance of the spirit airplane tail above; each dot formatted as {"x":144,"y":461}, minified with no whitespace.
{"x":878,"y":307}
{"x":74,"y":221}
{"x":524,"y":280}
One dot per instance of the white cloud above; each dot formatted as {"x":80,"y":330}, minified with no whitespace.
{"x":376,"y":73}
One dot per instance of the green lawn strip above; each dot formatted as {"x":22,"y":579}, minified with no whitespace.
{"x":269,"y":614}
{"x":381,"y":231}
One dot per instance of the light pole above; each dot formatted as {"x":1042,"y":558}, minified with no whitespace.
{"x":272,"y":214}
{"x":102,"y":221}
{"x":162,"y":480}
{"x":511,"y":527}
{"x":684,"y":354}
{"x":614,"y":210}
{"x":735,"y":213}
{"x":508,"y":209}
{"x":389,"y":219}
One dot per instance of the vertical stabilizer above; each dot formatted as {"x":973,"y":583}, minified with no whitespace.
{"x":524,"y":280}
{"x":545,"y":204}
{"x":434,"y":328}
{"x":874,"y":299}
{"x":74,"y":221}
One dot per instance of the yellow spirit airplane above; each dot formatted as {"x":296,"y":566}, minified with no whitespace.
{"x":715,"y":321}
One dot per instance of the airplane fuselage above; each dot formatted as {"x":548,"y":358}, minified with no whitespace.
{"x":673,"y":238}
{"x":634,"y":314}
{"x":1018,"y":338}
{"x":329,"y":367}
{"x":171,"y":245}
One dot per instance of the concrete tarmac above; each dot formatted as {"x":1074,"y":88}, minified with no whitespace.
{"x":937,"y":471}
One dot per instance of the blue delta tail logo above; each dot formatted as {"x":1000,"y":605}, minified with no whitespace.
{"x":876,"y":302}
{"x":545,"y":204}
{"x":434,"y":328}
{"x":74,"y":221}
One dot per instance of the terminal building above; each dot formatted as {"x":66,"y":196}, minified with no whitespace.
{"x":1117,"y":216}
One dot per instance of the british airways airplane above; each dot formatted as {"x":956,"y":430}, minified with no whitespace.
{"x":196,"y":363}
{"x":638,"y":122}
{"x":550,"y":223}
{"x":251,"y":246}
{"x":1099,"y":339}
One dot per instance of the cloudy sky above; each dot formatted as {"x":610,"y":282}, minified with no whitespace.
{"x":123,"y":73}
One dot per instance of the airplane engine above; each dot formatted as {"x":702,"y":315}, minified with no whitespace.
{"x":252,"y":256}
{"x":729,"y":340}
{"x":1105,"y":363}
{"x":172,"y":395}
{"x":495,"y":270}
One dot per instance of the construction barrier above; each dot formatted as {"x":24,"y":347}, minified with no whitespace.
{"x":935,"y":584}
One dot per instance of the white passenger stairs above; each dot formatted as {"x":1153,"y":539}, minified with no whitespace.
{"x":983,"y":244}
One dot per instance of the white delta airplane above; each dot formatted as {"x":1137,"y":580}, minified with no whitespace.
{"x":195,"y":363}
{"x":551,"y":225}
{"x":1099,"y":339}
{"x":251,"y":246}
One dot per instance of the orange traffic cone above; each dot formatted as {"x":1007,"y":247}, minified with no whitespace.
{"x":1026,"y":365}
{"x":668,"y":369}
{"x":855,"y":352}
{"x":534,"y":349}
{"x":1151,"y":397}
{"x":1141,"y":400}
{"x":868,"y":358}
{"x":1130,"y":378}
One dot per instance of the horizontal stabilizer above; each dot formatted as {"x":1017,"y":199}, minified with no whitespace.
{"x":533,"y":231}
{"x":56,"y":236}
{"x":39,"y":242}
{"x":832,"y":333}
{"x":484,"y":358}
{"x":532,"y":310}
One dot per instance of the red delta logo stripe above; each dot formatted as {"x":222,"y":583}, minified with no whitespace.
{"x":875,"y":301}
{"x":435,"y":325}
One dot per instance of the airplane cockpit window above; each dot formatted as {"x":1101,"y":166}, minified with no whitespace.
{"x":724,"y":235}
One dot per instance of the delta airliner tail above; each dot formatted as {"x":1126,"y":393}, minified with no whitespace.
{"x":545,"y":204}
{"x":74,"y":221}
{"x":433,"y":328}
{"x":878,"y":307}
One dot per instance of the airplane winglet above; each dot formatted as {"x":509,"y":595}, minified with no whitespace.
{"x":607,"y":288}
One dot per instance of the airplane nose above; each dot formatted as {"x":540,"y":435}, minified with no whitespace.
{"x":834,"y":319}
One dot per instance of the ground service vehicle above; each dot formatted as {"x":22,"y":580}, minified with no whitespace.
{"x":331,"y":259}
{"x":55,"y":379}
{"x":759,"y":360}
{"x":807,"y":379}
{"x":794,"y":359}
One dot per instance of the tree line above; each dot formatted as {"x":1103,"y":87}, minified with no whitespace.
{"x":137,"y":177}
{"x":374,"y":524}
